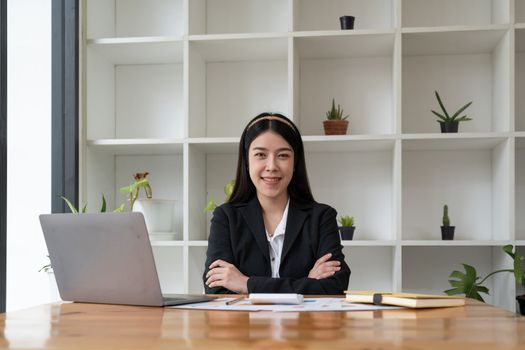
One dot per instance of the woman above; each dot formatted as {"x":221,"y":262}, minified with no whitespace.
{"x":271,"y":236}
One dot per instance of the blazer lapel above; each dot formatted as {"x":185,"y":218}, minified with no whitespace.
{"x":294,"y":224}
{"x":252,"y":214}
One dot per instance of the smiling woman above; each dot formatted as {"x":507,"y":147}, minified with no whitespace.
{"x":272,"y":236}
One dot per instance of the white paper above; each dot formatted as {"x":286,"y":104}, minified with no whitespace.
{"x":309,"y":304}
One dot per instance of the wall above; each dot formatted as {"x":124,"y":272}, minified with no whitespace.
{"x":29,"y":149}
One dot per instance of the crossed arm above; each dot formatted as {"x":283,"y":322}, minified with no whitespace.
{"x":226,"y":275}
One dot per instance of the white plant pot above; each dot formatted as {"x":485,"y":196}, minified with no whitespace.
{"x":158,"y":213}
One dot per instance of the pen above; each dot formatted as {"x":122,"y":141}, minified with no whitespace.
{"x":234,"y":301}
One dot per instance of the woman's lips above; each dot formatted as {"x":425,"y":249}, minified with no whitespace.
{"x":271,"y":180}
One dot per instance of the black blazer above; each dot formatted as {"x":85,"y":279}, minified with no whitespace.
{"x":238,"y":236}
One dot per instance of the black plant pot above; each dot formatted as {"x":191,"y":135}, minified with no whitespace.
{"x":447,"y":232}
{"x":521,"y":302}
{"x":449,"y":126}
{"x":347,"y":232}
{"x":347,"y":22}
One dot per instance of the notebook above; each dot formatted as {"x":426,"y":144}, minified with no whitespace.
{"x":404,"y":299}
{"x":106,"y":258}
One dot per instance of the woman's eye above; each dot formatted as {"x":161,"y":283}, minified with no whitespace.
{"x":284,"y":155}
{"x":259,"y":155}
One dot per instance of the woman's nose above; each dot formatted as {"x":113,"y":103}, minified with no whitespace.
{"x":271,"y":164}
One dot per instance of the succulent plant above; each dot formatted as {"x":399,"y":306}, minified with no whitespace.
{"x":335,"y":113}
{"x":346,"y":221}
{"x":445,"y":117}
{"x":446,"y":220}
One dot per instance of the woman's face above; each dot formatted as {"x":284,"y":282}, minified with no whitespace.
{"x":271,"y":165}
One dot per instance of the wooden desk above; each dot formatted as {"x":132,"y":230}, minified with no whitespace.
{"x":92,"y":326}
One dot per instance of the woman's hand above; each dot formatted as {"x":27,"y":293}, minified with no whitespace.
{"x":224,"y":274}
{"x":324,"y":268}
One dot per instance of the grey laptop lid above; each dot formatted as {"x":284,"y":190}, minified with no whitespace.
{"x":105,"y":258}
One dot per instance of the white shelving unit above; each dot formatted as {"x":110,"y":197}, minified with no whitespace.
{"x":168,"y":85}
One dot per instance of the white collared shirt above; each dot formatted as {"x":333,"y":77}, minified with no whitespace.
{"x":276,"y":242}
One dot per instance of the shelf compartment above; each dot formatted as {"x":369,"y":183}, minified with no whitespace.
{"x":240,"y":47}
{"x":520,"y":79}
{"x":344,"y":45}
{"x":144,"y":50}
{"x":372,"y":267}
{"x":453,"y":243}
{"x":356,"y":70}
{"x":208,"y":173}
{"x":197,"y":258}
{"x":137,"y":146}
{"x":170,"y":243}
{"x":368,"y":197}
{"x":324,"y":15}
{"x":133,"y":100}
{"x":452,"y":41}
{"x":472,"y":178}
{"x":519,"y":11}
{"x":427,"y":270}
{"x":106,"y":173}
{"x":218,"y":145}
{"x":170,"y":268}
{"x":360,"y":143}
{"x":368,"y":243}
{"x":235,"y":80}
{"x":431,"y":13}
{"x":453,"y":141}
{"x":520,"y":188}
{"x":238,"y":16}
{"x":462,"y":66}
{"x":129,"y":18}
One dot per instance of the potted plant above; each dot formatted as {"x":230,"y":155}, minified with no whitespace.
{"x":450,"y":123}
{"x":347,"y":22}
{"x":228,"y":190}
{"x":467,"y":283}
{"x":158,"y":213}
{"x":335,"y":123}
{"x":103,"y":208}
{"x":347,"y":227}
{"x":447,"y":231}
{"x":133,"y":190}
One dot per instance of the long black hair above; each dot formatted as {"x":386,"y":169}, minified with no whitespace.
{"x":299,"y":187}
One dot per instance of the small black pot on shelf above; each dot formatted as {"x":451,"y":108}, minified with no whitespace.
{"x":447,"y":127}
{"x":447,"y":232}
{"x":347,"y":232}
{"x":347,"y":22}
{"x":521,"y":302}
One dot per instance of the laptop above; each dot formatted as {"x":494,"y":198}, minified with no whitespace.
{"x":106,"y":258}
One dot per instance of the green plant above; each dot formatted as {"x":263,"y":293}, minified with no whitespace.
{"x":446,"y":220}
{"x":47,"y":267}
{"x":103,"y":208}
{"x":346,"y":221}
{"x":133,"y":190}
{"x":467,"y":283}
{"x":445,"y":117}
{"x":335,"y":113}
{"x":228,"y":190}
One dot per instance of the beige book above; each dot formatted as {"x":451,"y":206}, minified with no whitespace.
{"x":403,"y":299}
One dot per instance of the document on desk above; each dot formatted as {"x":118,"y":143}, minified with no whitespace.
{"x":309,"y":304}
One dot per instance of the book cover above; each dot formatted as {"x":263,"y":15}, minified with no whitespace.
{"x":411,"y":300}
